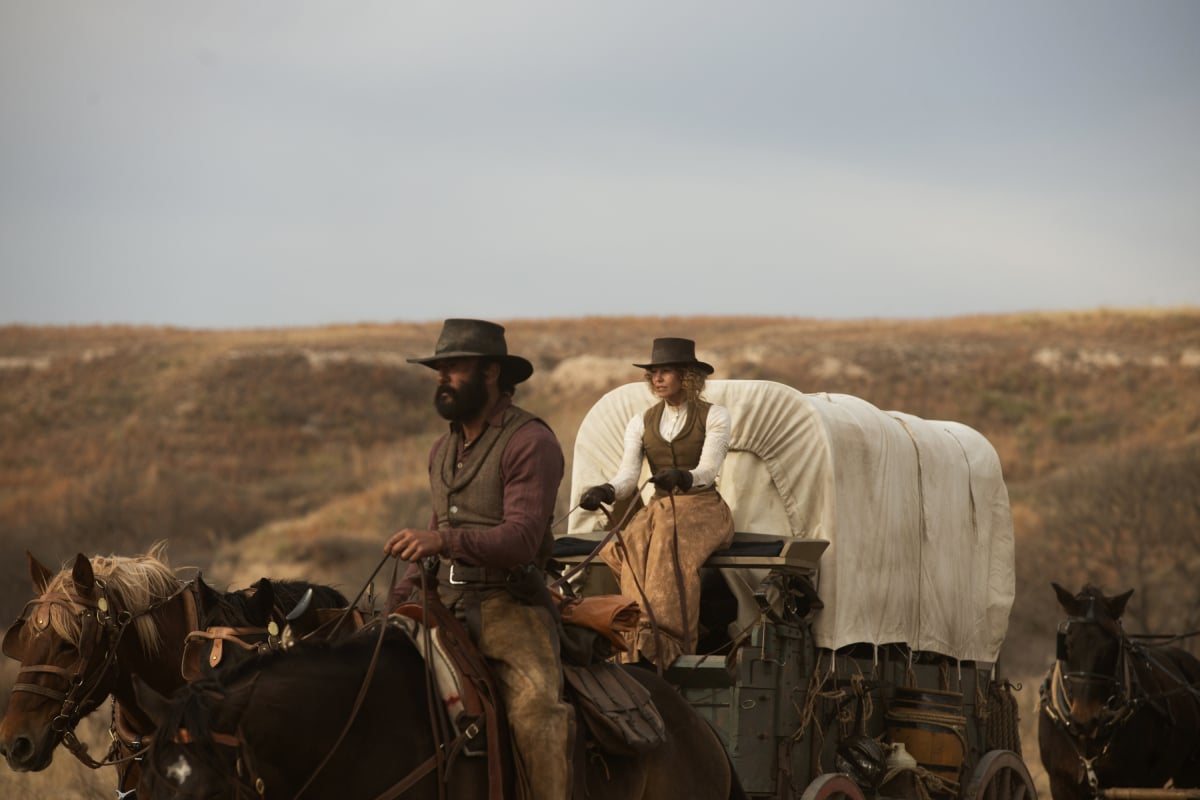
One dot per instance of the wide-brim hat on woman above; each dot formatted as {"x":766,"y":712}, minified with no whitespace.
{"x":476,"y":338}
{"x":672,"y":352}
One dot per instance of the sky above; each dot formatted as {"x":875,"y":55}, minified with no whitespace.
{"x":231,"y":164}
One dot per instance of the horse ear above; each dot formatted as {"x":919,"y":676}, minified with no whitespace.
{"x":150,"y":700}
{"x":1066,"y":600}
{"x":262,"y":602}
{"x":83,"y":576}
{"x":38,"y":573}
{"x":208,"y":595}
{"x":1116,"y":605}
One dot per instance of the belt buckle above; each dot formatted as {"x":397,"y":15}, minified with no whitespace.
{"x":452,"y":580}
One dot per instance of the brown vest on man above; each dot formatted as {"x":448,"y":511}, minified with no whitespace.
{"x":682,"y":452}
{"x":470,"y":494}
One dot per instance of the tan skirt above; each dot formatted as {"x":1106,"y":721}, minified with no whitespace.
{"x":658,"y":538}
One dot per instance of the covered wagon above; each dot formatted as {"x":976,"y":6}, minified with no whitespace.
{"x":902,"y":526}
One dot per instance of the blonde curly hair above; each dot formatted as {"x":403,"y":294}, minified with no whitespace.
{"x":692,"y":378}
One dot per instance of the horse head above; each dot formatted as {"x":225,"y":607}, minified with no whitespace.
{"x":197,"y":751}
{"x":60,"y":641}
{"x":1092,"y":660}
{"x":69,"y":641}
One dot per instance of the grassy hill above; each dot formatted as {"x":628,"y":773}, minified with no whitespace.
{"x":296,"y":452}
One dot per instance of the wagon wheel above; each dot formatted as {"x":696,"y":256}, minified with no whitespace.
{"x":832,"y":786}
{"x":1000,"y":775}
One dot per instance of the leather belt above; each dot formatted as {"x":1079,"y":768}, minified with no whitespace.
{"x":465,"y":574}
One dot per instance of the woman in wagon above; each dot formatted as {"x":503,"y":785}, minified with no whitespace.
{"x":684,"y":439}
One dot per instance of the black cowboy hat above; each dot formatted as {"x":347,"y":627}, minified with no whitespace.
{"x":467,"y":338}
{"x":670,"y":351}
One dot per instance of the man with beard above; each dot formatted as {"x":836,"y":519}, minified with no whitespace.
{"x":494,"y":478}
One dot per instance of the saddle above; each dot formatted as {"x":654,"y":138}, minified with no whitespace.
{"x":617,"y":711}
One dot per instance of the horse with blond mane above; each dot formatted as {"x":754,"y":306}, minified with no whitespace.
{"x":94,"y":625}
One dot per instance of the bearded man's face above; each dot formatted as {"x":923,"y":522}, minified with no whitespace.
{"x":462,"y":399}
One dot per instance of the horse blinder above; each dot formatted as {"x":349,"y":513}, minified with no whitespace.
{"x":12,"y":646}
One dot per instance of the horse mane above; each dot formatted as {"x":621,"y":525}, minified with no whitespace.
{"x":1099,"y":599}
{"x":339,"y":651}
{"x":134,"y":582}
{"x":234,"y":607}
{"x":289,"y":592}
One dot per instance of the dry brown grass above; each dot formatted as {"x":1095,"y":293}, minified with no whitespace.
{"x":295,"y":452}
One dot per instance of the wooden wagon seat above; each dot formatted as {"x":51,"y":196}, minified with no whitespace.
{"x":749,"y":550}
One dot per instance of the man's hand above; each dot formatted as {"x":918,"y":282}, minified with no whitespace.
{"x":413,"y":544}
{"x":671,"y":479}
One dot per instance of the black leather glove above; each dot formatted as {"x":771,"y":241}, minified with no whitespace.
{"x":671,"y":479}
{"x":593,"y":497}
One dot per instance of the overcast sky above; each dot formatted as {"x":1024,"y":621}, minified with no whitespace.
{"x":236,"y":164}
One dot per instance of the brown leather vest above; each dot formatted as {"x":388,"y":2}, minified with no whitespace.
{"x":472,"y":496}
{"x":682,"y":452}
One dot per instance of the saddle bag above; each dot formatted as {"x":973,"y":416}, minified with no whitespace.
{"x":617,"y":710}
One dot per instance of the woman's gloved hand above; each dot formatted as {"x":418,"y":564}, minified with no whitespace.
{"x":671,"y":479}
{"x":593,"y":497}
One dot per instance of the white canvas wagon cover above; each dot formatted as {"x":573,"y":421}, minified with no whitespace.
{"x":916,"y":511}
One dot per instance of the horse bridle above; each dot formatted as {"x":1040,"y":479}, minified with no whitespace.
{"x":1121,"y":681}
{"x":100,"y":623}
{"x":248,"y":782}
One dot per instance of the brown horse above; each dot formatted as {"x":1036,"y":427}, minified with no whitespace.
{"x":257,"y":730}
{"x":89,"y":629}
{"x":1116,"y":712}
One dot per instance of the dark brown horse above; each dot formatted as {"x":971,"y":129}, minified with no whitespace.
{"x":260,"y":729}
{"x":90,"y":628}
{"x":1114,"y":711}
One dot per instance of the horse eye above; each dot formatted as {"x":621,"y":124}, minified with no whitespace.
{"x":63,"y":647}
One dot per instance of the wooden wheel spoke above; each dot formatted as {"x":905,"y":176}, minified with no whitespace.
{"x":1000,"y":775}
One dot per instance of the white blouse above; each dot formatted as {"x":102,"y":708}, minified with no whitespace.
{"x":674,"y":418}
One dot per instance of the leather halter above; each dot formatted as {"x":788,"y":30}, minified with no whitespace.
{"x":1120,"y":680}
{"x":102,"y":626}
{"x":1055,"y":698}
{"x":247,"y":782}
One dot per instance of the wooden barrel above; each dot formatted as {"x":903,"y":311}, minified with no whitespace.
{"x":932,"y":726}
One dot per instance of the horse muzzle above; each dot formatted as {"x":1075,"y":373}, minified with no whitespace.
{"x":25,"y":752}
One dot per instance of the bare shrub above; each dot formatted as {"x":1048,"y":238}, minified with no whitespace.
{"x":1129,"y":520}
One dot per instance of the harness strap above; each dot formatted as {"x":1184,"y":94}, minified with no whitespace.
{"x":362,"y":693}
{"x":613,"y":531}
{"x":421,"y":770}
{"x":33,"y":688}
{"x":680,"y":584}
